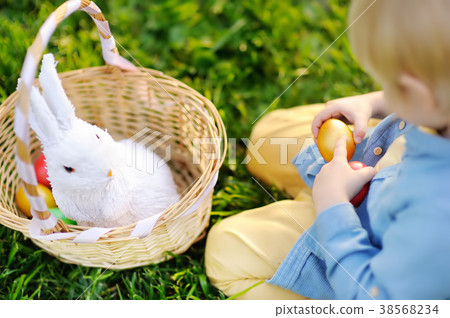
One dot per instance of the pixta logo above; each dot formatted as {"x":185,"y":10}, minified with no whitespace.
{"x":148,"y":150}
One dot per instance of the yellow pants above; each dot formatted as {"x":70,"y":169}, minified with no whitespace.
{"x":247,"y":248}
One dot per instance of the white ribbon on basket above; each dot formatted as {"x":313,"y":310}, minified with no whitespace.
{"x":200,"y":200}
{"x":34,"y":229}
{"x":142,"y":228}
{"x":109,"y":44}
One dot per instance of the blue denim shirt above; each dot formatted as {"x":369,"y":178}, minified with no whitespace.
{"x":396,"y":244}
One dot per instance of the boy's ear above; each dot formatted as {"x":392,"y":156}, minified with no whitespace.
{"x":416,"y":92}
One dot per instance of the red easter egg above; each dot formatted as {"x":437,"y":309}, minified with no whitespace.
{"x":40,"y":167}
{"x":359,"y":198}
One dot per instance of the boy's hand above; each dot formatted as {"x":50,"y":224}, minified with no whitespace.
{"x":337,"y":182}
{"x":356,"y":109}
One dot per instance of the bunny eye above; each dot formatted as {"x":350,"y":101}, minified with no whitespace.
{"x":98,"y":137}
{"x":69,"y":169}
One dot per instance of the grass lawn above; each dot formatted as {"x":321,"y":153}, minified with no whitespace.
{"x":240,"y":54}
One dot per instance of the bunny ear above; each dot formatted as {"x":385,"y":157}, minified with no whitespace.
{"x":54,"y":94}
{"x":42,"y":119}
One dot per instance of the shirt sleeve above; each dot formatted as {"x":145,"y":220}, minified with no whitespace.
{"x":412,"y":264}
{"x":303,"y":270}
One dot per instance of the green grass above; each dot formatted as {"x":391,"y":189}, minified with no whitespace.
{"x":240,"y":54}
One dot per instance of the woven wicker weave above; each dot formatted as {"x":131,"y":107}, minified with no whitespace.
{"x":126,"y":103}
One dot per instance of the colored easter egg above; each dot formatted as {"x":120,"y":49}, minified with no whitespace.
{"x":329,"y":133}
{"x":24,"y":205}
{"x":57,"y":213}
{"x":40,"y":167}
{"x":359,"y":198}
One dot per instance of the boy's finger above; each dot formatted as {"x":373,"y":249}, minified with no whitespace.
{"x":320,"y":118}
{"x":315,"y":127}
{"x":367,"y":173}
{"x":340,"y":150}
{"x":317,"y":122}
{"x":360,"y":131}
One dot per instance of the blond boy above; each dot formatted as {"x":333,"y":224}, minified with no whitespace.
{"x":396,"y":245}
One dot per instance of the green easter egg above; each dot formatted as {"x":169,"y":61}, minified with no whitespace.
{"x":57,"y":213}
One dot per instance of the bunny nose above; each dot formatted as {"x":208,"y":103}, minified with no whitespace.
{"x":110,"y":173}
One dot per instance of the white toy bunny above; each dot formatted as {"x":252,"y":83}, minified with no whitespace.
{"x":93,"y":183}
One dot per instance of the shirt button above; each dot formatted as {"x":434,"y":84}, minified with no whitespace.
{"x":374,"y":292}
{"x":377,"y":151}
{"x":401,"y":125}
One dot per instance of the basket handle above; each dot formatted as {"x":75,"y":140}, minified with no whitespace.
{"x":47,"y":222}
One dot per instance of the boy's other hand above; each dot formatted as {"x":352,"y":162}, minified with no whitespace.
{"x":356,"y":110}
{"x":337,"y":182}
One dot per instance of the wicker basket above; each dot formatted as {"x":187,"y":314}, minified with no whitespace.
{"x":125,"y":100}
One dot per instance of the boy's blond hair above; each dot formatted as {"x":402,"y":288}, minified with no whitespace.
{"x":404,"y":36}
